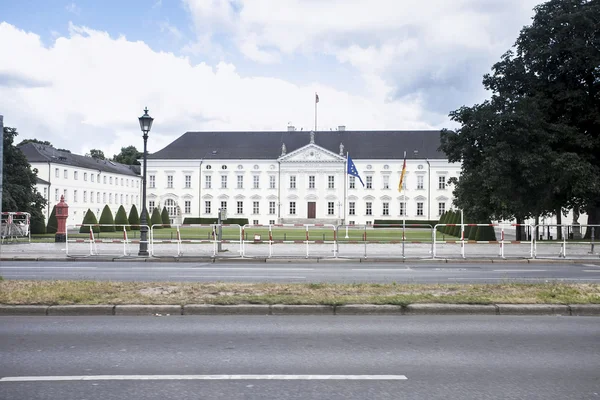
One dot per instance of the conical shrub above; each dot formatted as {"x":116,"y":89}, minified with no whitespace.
{"x":121,"y":220}
{"x":164,"y":216}
{"x":134,"y":218}
{"x":89,"y":219}
{"x":106,"y":218}
{"x":52,"y":226}
{"x":156,"y":219}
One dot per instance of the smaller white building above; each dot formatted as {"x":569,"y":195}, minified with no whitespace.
{"x":85,"y":182}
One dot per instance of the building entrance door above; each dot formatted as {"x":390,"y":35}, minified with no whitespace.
{"x":312,"y":209}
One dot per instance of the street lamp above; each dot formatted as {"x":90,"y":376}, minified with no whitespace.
{"x":145,"y":125}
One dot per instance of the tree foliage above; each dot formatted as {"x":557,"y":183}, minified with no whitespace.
{"x":129,"y":155}
{"x":89,"y":219}
{"x":18,"y":186}
{"x":106,"y":218}
{"x":533,"y":149}
{"x":134,"y":218}
{"x":52,"y":226}
{"x":164,"y":216}
{"x":121,"y":219}
{"x":43,"y":142}
{"x":156,"y":219}
{"x":95,"y":153}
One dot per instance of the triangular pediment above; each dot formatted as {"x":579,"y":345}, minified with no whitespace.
{"x":311,"y":152}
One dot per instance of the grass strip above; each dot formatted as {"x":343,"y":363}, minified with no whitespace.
{"x":105,"y":292}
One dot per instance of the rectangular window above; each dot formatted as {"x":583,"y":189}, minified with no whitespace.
{"x":98,"y":197}
{"x":56,"y":194}
{"x":121,"y":181}
{"x":85,"y":176}
{"x":386,"y":208}
{"x":255,"y":207}
{"x":110,"y":198}
{"x":331,"y":182}
{"x":110,"y":180}
{"x":271,"y":207}
{"x":56,"y":174}
{"x":75,"y":175}
{"x":188,"y":181}
{"x":330,"y":208}
{"x":127,"y":182}
{"x":223,"y":205}
{"x":46,"y":193}
{"x":208,"y":182}
{"x":441,"y":208}
{"x":311,"y":182}
{"x":292,"y":208}
{"x":419,"y":181}
{"x":369,"y":208}
{"x":66,"y":174}
{"x":419,"y":208}
{"x":92,"y":177}
{"x":121,"y":199}
{"x":402,"y":208}
{"x":386,"y":181}
{"x":85,"y":196}
{"x":223,"y":181}
{"x":271,"y":222}
{"x":187,"y":206}
{"x":105,"y":179}
{"x":352,"y":222}
{"x":207,"y":206}
{"x":369,"y":223}
{"x":104,"y":197}
{"x":127,"y":199}
{"x":256,"y":182}
{"x":369,"y":182}
{"x":150,"y":206}
{"x":170,"y":181}
{"x":442,"y":183}
{"x":240,"y":181}
{"x":292,"y":182}
{"x":352,"y":182}
{"x":352,"y":208}
{"x":91,"y":197}
{"x":272,"y":182}
{"x":152,"y":181}
{"x":240,"y":207}
{"x":65,"y":195}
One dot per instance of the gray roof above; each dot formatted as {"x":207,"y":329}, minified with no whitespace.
{"x":36,"y":152}
{"x":267,"y":145}
{"x":40,"y":181}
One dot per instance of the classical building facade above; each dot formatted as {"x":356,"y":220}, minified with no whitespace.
{"x":300,"y":177}
{"x":85,"y":182}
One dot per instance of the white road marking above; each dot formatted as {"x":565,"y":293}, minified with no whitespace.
{"x":591,"y":270}
{"x":525,"y":279}
{"x":197,"y":377}
{"x":520,"y":270}
{"x":382,"y":269}
{"x":240,"y":276}
{"x":1,"y":268}
{"x":591,"y":265}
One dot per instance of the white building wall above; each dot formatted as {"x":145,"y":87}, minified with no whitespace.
{"x":81,"y":187}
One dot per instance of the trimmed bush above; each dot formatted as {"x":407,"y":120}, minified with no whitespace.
{"x":37,"y":225}
{"x":134,"y":218}
{"x":121,"y":219}
{"x":399,"y":222}
{"x":486,"y":233}
{"x":164,"y":216}
{"x":106,"y":218}
{"x":156,"y":219}
{"x":214,"y":220}
{"x":52,"y":226}
{"x":89,"y":219}
{"x":473,"y":232}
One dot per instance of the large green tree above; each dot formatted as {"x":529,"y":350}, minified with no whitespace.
{"x":129,"y":155}
{"x":18,"y":186}
{"x":95,"y":153}
{"x":534,"y":147}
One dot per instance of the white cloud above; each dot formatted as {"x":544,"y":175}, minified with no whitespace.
{"x":87,"y":90}
{"x":171,"y":30}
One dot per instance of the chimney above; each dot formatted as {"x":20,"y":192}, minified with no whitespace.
{"x":341,"y":127}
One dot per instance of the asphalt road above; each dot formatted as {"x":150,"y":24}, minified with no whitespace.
{"x":441,"y":357}
{"x":340,"y":272}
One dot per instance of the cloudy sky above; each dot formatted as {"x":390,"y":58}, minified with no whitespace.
{"x":78,"y":74}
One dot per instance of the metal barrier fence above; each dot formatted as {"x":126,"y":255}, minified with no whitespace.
{"x":422,"y":241}
{"x":15,"y":225}
{"x":99,"y":240}
{"x":385,"y":240}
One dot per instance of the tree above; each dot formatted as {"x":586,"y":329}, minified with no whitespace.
{"x":89,"y":219}
{"x":121,"y":219}
{"x":134,"y":218}
{"x":25,"y":141}
{"x":106,"y":218}
{"x":52,"y":226}
{"x":18,"y":186}
{"x":164,"y":216}
{"x":533,"y":149}
{"x":94,"y":153}
{"x":129,"y":155}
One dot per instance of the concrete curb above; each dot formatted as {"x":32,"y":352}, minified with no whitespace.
{"x":241,"y":309}
{"x":450,"y":309}
{"x":282,"y":309}
{"x":132,"y":310}
{"x":82,"y":310}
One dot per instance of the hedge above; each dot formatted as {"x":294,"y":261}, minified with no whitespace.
{"x":52,"y":222}
{"x":164,"y":216}
{"x":121,"y":219}
{"x":214,"y":220}
{"x":134,"y":218}
{"x":89,"y":219}
{"x":106,"y":218}
{"x":156,"y":219}
{"x":399,"y":222}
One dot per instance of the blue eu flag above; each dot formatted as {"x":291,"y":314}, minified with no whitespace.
{"x":353,"y":171}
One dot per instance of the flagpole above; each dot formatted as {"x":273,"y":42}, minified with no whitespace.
{"x":345,"y":193}
{"x":316,"y":102}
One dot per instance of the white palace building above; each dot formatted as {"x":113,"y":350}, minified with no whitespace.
{"x":300,"y":177}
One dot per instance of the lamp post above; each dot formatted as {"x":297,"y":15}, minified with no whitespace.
{"x":145,"y":125}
